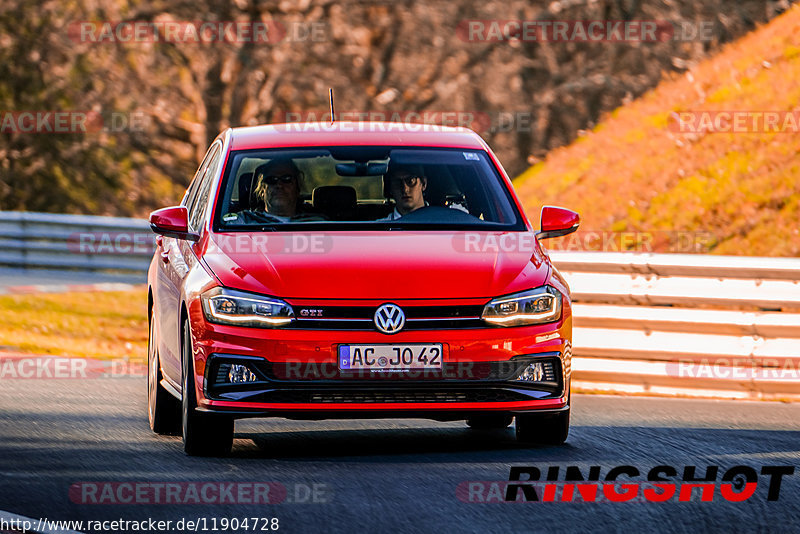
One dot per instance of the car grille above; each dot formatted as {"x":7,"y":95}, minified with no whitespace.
{"x":299,"y":373}
{"x":320,"y":383}
{"x":417,"y":317}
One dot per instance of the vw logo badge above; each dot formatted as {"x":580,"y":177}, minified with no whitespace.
{"x":389,"y":318}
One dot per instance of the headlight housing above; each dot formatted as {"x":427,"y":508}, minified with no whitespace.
{"x":536,"y":306}
{"x":228,"y":306}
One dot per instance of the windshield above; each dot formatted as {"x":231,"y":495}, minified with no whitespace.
{"x":364,"y":188}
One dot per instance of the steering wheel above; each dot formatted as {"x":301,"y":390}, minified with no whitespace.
{"x":435,"y":214}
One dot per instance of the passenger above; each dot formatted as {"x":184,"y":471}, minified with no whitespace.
{"x":405,"y":184}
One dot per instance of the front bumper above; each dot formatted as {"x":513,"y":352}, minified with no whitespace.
{"x":298,"y":377}
{"x":313,"y":391}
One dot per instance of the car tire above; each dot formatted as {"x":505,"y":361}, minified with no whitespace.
{"x":546,"y":429}
{"x":490,"y":421}
{"x":163,"y":410}
{"x":203,"y":434}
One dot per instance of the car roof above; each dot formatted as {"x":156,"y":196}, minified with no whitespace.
{"x":345,"y":133}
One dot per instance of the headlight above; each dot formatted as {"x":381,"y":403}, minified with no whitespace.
{"x":227,"y":306}
{"x":540,"y":305}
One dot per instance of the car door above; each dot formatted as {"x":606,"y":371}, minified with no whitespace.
{"x":173,"y":269}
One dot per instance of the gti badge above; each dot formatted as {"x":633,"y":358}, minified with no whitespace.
{"x":389,"y":319}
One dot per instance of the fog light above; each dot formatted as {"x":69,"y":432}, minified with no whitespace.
{"x":539,"y":371}
{"x":533,"y":373}
{"x":240,"y":374}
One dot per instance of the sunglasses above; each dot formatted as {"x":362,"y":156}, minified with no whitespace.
{"x":286,"y":179}
{"x":410,"y":181}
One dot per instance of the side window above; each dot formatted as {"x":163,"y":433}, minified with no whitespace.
{"x":191,"y":193}
{"x":199,"y":203}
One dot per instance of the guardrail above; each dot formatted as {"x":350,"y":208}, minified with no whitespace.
{"x":674,"y":324}
{"x":678,"y":324}
{"x":83,"y":242}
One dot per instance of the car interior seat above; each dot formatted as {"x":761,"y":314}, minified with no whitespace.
{"x":245,"y":201}
{"x":337,"y":202}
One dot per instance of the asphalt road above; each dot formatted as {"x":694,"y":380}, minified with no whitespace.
{"x":384,"y":476}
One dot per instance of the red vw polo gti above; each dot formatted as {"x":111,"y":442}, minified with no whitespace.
{"x":354,"y":270}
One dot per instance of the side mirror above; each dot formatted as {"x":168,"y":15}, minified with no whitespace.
{"x":172,"y":222}
{"x":557,"y":222}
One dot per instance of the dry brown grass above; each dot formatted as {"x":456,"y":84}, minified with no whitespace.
{"x":102,"y":325}
{"x":634,"y":173}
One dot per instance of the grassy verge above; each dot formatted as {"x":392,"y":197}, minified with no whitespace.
{"x":638,"y":172}
{"x":102,"y":325}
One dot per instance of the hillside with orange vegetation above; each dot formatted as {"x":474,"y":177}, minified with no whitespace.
{"x":643,"y":172}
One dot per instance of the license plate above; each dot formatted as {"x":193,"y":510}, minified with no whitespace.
{"x":390,"y":357}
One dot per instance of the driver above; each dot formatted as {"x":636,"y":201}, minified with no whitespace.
{"x":277,"y":188}
{"x":406,"y":185}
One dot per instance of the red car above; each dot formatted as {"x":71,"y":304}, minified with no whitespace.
{"x":355,"y":270}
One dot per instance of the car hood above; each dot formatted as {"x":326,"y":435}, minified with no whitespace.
{"x":378,"y":265}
